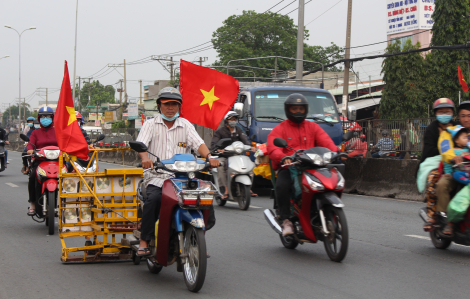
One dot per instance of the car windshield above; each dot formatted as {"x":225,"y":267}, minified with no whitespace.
{"x":269,"y":105}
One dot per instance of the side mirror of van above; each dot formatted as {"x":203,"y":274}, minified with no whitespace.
{"x":352,"y":113}
{"x":238,"y":108}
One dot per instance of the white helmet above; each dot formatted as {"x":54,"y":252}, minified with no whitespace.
{"x":230,"y":114}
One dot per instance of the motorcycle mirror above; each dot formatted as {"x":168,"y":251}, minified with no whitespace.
{"x":138,"y":146}
{"x":279,"y":142}
{"x":24,"y":137}
{"x":253,"y":137}
{"x":224,"y":142}
{"x":347,"y":136}
{"x":100,"y":137}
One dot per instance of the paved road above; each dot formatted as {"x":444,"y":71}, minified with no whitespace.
{"x":389,"y":257}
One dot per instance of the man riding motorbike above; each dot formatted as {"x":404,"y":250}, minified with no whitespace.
{"x":232,"y":131}
{"x":4,"y":137}
{"x":299,"y":134}
{"x":29,"y":125}
{"x":42,"y":137}
{"x":165,"y":135}
{"x":34,"y":125}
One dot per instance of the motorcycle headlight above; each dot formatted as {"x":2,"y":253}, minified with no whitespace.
{"x":42,"y":172}
{"x":315,"y":185}
{"x":327,"y":157}
{"x":185,"y":166}
{"x":341,"y":181}
{"x":52,"y":154}
{"x":317,"y":159}
{"x":238,"y":147}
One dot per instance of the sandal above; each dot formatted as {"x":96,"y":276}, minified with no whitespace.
{"x":448,"y":231}
{"x":253,"y":194}
{"x":225,"y":196}
{"x":146,"y":251}
{"x":429,"y":225}
{"x":31,"y":211}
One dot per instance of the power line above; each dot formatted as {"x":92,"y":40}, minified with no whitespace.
{"x":323,"y":12}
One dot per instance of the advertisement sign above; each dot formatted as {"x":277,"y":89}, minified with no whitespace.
{"x":109,"y":116}
{"x":97,"y":123}
{"x":107,"y":126}
{"x":92,"y":116}
{"x":133,"y":111}
{"x":407,"y":15}
{"x":138,"y":124}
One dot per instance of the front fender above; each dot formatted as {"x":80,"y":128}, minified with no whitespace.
{"x":329,"y":198}
{"x":244,"y":179}
{"x":50,"y":185}
{"x":193,"y":217}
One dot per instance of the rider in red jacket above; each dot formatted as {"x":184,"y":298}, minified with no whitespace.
{"x":299,"y":134}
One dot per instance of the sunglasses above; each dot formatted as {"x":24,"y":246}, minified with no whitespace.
{"x":46,"y":116}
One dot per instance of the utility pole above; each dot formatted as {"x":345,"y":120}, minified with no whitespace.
{"x":171,"y":69}
{"x":201,"y":60}
{"x":299,"y":65}
{"x":46,"y":96}
{"x":9,"y":112}
{"x":89,"y":92}
{"x":120,"y":101}
{"x":140,"y":81}
{"x":125,"y":85}
{"x":347,"y":64}
{"x":79,"y":87}
{"x":357,"y":79}
{"x":24,"y":108}
{"x":370,"y":85}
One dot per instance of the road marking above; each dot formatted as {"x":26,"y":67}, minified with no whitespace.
{"x":236,"y":204}
{"x":427,"y":238}
{"x":11,"y":185}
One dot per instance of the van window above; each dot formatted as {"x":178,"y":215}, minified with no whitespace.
{"x":269,"y":105}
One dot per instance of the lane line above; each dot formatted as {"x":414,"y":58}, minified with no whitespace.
{"x":429,"y":239}
{"x":236,"y":204}
{"x":12,"y":185}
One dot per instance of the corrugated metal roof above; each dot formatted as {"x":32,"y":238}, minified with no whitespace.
{"x":361,"y":104}
{"x":375,"y":94}
{"x":339,"y":91}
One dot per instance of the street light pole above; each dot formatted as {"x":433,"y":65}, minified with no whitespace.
{"x":299,"y":67}
{"x":75,"y":52}
{"x":19,"y":65}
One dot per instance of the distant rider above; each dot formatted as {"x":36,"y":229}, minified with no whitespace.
{"x":165,"y":135}
{"x":42,"y":137}
{"x":234,"y":132}
{"x":4,"y":137}
{"x":34,"y":125}
{"x":299,"y":134}
{"x":385,"y":145}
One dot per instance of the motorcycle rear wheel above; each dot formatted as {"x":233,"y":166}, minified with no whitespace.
{"x":245,"y":196}
{"x":220,"y":202}
{"x":51,"y":212}
{"x":289,"y":242}
{"x":439,"y":242}
{"x":194,"y":269}
{"x":338,"y":231}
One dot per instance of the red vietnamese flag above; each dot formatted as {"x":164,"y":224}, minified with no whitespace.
{"x":68,"y":133}
{"x":462,"y":81}
{"x":142,"y":120}
{"x":207,"y":94}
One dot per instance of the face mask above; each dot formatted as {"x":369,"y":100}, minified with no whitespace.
{"x":46,"y":122}
{"x":80,"y":124}
{"x":232,"y":124}
{"x":37,"y":126}
{"x":30,"y":125}
{"x":444,"y":119}
{"x":171,"y":118}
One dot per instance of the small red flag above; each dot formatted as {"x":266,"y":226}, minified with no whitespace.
{"x":68,"y":133}
{"x":207,"y":94}
{"x":462,"y":81}
{"x":142,"y":120}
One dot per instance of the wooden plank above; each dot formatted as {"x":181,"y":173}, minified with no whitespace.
{"x":125,"y":171}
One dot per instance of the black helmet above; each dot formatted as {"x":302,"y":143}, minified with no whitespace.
{"x":296,"y":99}
{"x":384,"y":133}
{"x":169,"y":93}
{"x":464,"y":106}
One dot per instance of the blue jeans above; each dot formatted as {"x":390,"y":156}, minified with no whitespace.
{"x":6,"y":156}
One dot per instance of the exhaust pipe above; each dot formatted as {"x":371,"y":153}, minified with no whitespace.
{"x":271,"y":219}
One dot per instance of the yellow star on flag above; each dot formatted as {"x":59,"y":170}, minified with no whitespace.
{"x":72,"y":117}
{"x":209,"y":97}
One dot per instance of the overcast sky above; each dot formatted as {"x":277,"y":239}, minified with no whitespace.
{"x":110,"y":31}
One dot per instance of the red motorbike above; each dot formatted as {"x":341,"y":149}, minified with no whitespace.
{"x":317,"y":208}
{"x":47,"y":174}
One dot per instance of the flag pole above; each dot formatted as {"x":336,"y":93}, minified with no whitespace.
{"x":75,"y":53}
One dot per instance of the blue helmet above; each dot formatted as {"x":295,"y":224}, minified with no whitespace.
{"x":30,"y":118}
{"x":45,"y":111}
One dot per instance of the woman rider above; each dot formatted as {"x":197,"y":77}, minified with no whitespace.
{"x":444,"y":111}
{"x":42,"y":137}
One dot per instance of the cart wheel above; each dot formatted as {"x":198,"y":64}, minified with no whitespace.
{"x":135,"y":258}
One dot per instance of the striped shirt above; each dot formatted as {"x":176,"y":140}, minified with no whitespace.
{"x":385,"y":145}
{"x":164,"y":143}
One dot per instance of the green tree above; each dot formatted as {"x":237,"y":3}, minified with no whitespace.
{"x":99,"y":93}
{"x":451,"y":27}
{"x":404,"y":94}
{"x":14,"y":113}
{"x":254,"y":34}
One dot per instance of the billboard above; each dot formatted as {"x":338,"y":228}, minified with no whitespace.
{"x":408,"y":15}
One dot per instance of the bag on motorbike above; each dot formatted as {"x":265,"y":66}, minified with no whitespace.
{"x":425,"y":168}
{"x":458,"y":206}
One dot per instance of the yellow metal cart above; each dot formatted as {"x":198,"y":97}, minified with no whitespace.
{"x":99,"y":206}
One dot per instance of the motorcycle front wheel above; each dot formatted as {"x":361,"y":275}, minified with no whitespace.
{"x":194,"y":269}
{"x":337,"y":240}
{"x":50,"y":211}
{"x":438,"y":242}
{"x":245,"y":196}
{"x":289,"y":242}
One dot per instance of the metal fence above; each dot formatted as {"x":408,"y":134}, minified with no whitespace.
{"x":407,"y":135}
